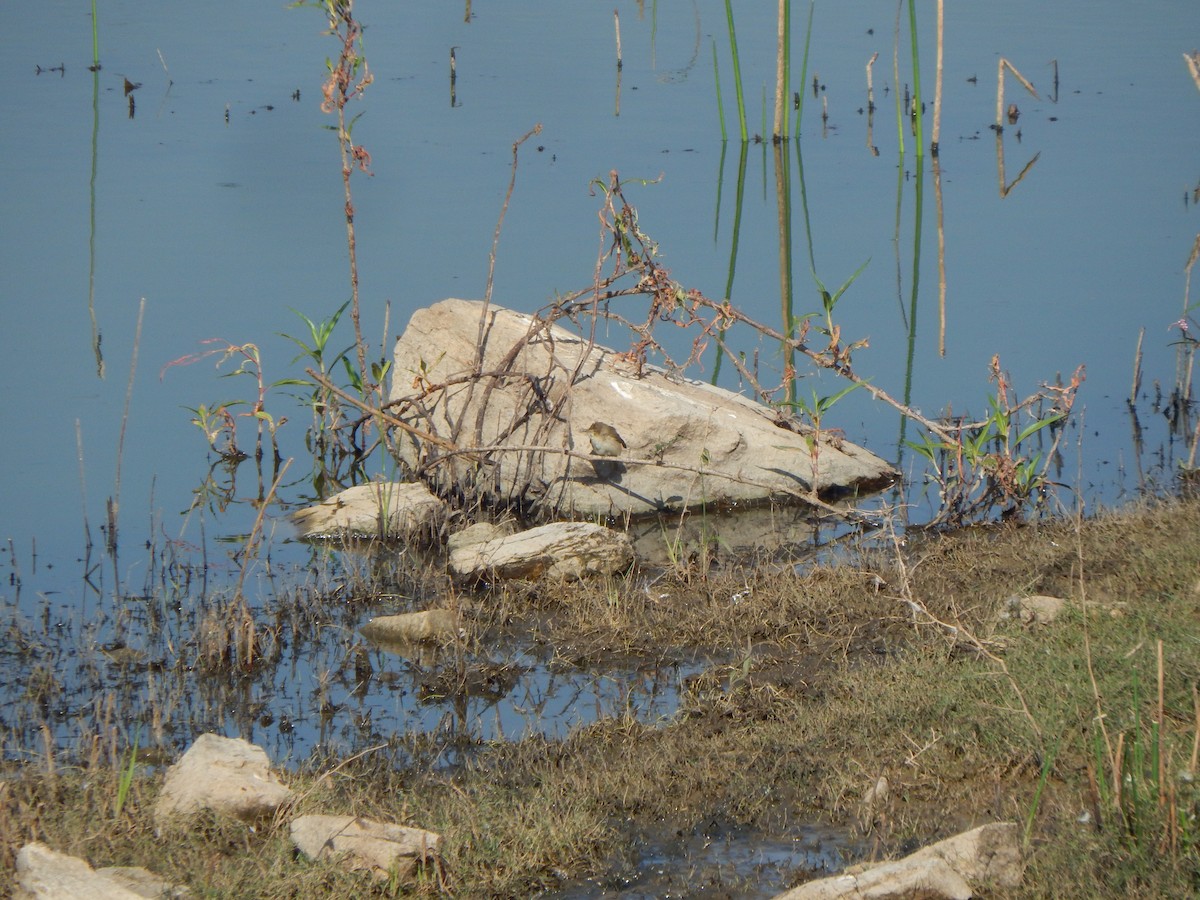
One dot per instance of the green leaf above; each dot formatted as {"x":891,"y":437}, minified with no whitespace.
{"x":1038,"y":426}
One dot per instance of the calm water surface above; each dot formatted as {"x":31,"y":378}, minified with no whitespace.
{"x":216,"y":199}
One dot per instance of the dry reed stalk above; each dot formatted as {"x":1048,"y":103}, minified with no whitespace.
{"x":1193,"y":63}
{"x":937,"y":88}
{"x":1000,"y":67}
{"x":48,"y":750}
{"x":114,"y":502}
{"x":781,"y":42}
{"x":617,"y":26}
{"x":1137,"y":369}
{"x":941,"y":235}
{"x":252,"y":541}
{"x":871,"y":81}
{"x":1162,"y":760}
{"x":871,"y":104}
{"x":1195,"y":760}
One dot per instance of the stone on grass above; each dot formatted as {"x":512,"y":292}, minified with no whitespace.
{"x":228,"y":776}
{"x":522,"y":392}
{"x":1036,"y":610}
{"x":560,"y":550}
{"x":46,"y":874}
{"x":380,"y":509}
{"x":955,"y":869}
{"x":365,"y":844}
{"x":427,"y":626}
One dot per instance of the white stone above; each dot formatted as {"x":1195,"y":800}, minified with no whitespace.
{"x":566,"y":550}
{"x":229,"y":776}
{"x":954,"y":869}
{"x":46,"y":874}
{"x":365,"y":844}
{"x":389,"y":509}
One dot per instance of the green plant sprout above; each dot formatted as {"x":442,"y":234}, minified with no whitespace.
{"x":988,"y":464}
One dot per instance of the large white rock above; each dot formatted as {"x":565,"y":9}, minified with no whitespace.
{"x":365,"y":844}
{"x":229,"y":776}
{"x":689,"y":444}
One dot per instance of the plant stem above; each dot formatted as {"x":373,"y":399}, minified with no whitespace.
{"x":916,"y":65}
{"x":95,"y":39}
{"x":737,"y":69}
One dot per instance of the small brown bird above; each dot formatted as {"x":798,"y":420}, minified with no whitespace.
{"x":605,"y":439}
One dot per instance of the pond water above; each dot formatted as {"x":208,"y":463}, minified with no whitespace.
{"x":207,"y":204}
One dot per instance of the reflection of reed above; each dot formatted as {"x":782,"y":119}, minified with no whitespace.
{"x":941,"y":235}
{"x":92,"y":221}
{"x":733,"y":242}
{"x":783,"y":207}
{"x":1005,"y":187}
{"x":871,"y":104}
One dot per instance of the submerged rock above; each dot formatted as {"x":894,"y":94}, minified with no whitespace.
{"x":426,"y":626}
{"x":509,"y":420}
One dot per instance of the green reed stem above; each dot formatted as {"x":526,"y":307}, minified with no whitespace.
{"x":896,"y":82}
{"x":737,"y":69}
{"x":804,"y":65}
{"x":95,"y":38}
{"x":916,"y":65}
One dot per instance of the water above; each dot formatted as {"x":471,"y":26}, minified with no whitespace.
{"x":217,"y":199}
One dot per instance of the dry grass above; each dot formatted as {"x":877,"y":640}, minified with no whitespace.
{"x":818,"y":684}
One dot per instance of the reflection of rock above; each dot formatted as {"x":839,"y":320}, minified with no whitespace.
{"x":987,"y":856}
{"x":46,"y":874}
{"x":377,"y":509}
{"x":365,"y":844}
{"x":689,"y":444}
{"x":227,"y":775}
{"x":485,"y":679}
{"x":570,"y":550}
{"x":677,"y":539}
{"x":426,"y":626}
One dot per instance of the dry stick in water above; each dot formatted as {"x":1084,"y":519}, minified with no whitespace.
{"x":114,"y":502}
{"x":937,"y":88}
{"x":617,"y":26}
{"x":251,"y":542}
{"x":779,"y":69}
{"x":87,"y":529}
{"x":1000,"y":67}
{"x":487,"y":294}
{"x":1137,"y":370}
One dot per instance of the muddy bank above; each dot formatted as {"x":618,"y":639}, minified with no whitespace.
{"x":818,"y":684}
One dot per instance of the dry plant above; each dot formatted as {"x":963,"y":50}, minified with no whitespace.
{"x":1001,"y":113}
